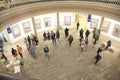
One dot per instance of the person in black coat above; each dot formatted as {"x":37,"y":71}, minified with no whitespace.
{"x":78,"y":25}
{"x":66,"y":32}
{"x":57,"y":34}
{"x":87,"y":33}
{"x":81,"y":32}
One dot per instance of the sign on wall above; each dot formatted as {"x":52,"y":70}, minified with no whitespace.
{"x":9,"y":30}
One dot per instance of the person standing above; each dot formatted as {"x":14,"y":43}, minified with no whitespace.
{"x":29,"y":40}
{"x":78,"y":25}
{"x":70,"y":39}
{"x":19,"y":50}
{"x":57,"y":34}
{"x":82,"y":45}
{"x":53,"y":38}
{"x":26,"y":42}
{"x":66,"y":32}
{"x":33,"y":51}
{"x":46,"y":51}
{"x":81,"y":32}
{"x":87,"y":33}
{"x":86,"y":42}
{"x":14,"y":52}
{"x":44,"y":36}
{"x":2,"y":55}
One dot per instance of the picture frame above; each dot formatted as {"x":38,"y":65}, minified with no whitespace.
{"x":105,"y":26}
{"x":94,"y":23}
{"x":47,"y":21}
{"x":37,"y":23}
{"x":16,"y":31}
{"x":26,"y":26}
{"x":116,"y":30}
{"x":67,"y":20}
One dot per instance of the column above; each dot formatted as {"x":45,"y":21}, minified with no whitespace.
{"x":34,"y":27}
{"x":58,"y":23}
{"x":101,"y":23}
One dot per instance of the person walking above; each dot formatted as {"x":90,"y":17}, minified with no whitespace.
{"x":108,"y":44}
{"x":70,"y":39}
{"x":19,"y":50}
{"x":66,"y":32}
{"x":98,"y":57}
{"x":78,"y":25}
{"x":46,"y":51}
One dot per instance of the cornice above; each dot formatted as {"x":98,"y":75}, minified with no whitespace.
{"x":11,"y":16}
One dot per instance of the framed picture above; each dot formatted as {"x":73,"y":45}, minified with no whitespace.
{"x":26,"y":27}
{"x":47,"y":21}
{"x":116,"y":30}
{"x":105,"y":26}
{"x":37,"y":23}
{"x":16,"y":31}
{"x":94,"y":23}
{"x":67,"y":20}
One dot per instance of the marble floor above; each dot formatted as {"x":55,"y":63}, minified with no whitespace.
{"x":68,"y":62}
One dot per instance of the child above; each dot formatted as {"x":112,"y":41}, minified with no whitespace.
{"x":82,"y":45}
{"x":86,"y":42}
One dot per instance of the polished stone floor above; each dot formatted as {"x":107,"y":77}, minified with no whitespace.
{"x":68,"y":62}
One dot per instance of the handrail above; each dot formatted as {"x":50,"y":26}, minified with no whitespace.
{"x":6,"y":76}
{"x":6,"y":5}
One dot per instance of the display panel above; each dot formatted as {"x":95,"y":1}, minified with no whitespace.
{"x":47,"y":21}
{"x":116,"y":30}
{"x":94,"y":23}
{"x":16,"y":31}
{"x":37,"y":23}
{"x":67,"y":20}
{"x":105,"y":26}
{"x":26,"y":26}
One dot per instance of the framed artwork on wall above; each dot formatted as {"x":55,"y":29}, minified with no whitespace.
{"x":105,"y":26}
{"x":37,"y":23}
{"x":26,"y":26}
{"x":47,"y":21}
{"x":94,"y":23}
{"x":16,"y":31}
{"x":67,"y":20}
{"x":116,"y":30}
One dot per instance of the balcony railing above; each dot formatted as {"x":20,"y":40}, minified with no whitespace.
{"x":7,"y":4}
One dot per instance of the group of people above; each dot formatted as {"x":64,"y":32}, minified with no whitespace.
{"x":31,"y":40}
{"x":51,"y":36}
